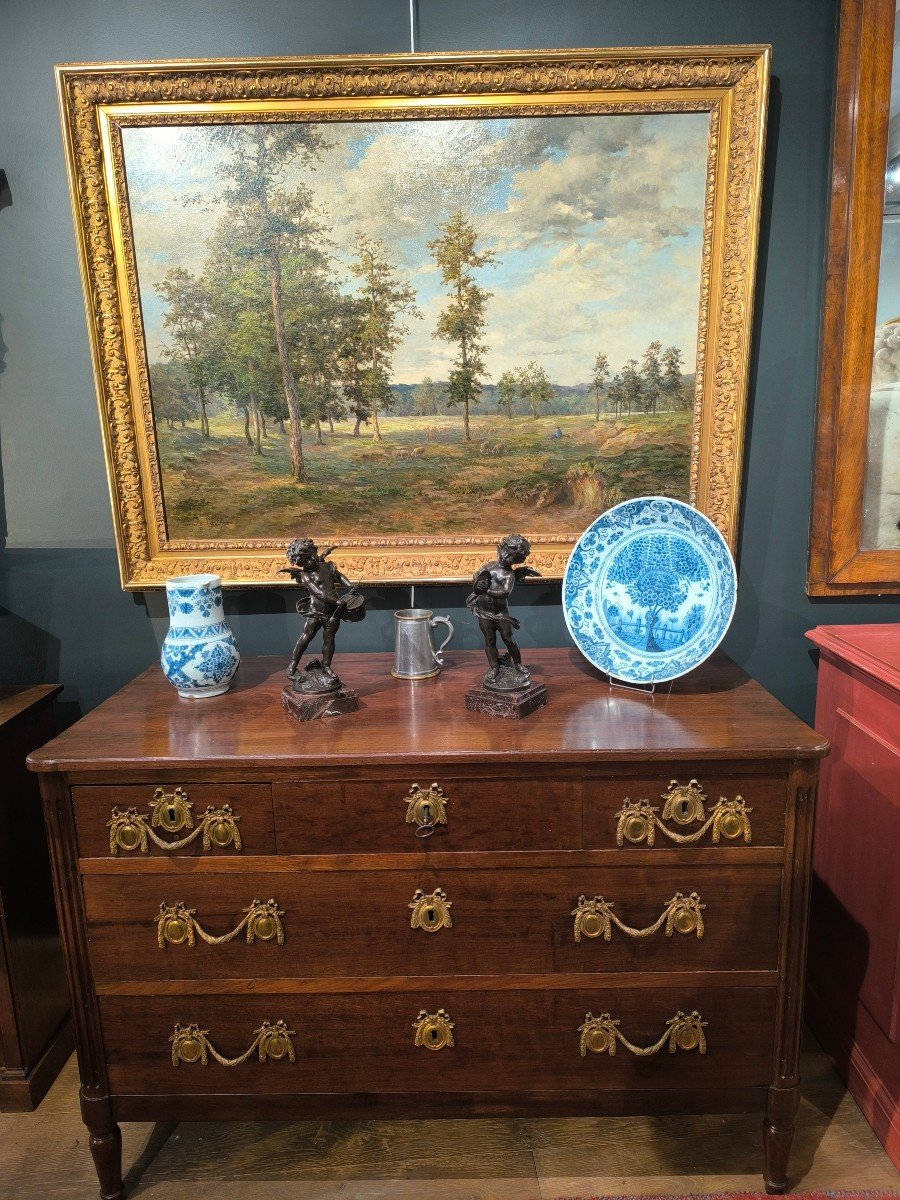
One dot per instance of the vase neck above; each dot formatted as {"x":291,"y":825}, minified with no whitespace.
{"x":191,"y":605}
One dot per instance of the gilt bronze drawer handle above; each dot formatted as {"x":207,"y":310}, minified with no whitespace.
{"x":426,"y":809}
{"x":595,"y":918}
{"x":430,"y":912}
{"x":600,"y":1034}
{"x":177,"y":924}
{"x":434,"y":1030}
{"x":637,"y":822}
{"x":191,"y":1044}
{"x":130,"y":830}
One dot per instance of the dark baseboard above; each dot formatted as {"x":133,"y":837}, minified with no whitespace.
{"x":22,"y":1091}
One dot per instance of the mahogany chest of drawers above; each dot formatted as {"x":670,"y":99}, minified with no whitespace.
{"x":599,"y":909}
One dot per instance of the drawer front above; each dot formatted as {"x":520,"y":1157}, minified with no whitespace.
{"x":143,"y":820}
{"x":502,"y":1041}
{"x":391,"y":815}
{"x":428,"y":923}
{"x":699,"y":808}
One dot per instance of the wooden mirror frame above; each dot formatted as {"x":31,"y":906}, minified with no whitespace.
{"x":837,"y":563}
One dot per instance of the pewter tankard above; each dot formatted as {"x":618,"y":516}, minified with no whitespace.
{"x":414,"y":654}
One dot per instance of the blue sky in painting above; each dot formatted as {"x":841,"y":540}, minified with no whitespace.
{"x":595,"y":223}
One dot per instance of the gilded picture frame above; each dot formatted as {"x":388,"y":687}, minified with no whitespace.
{"x":103,"y":104}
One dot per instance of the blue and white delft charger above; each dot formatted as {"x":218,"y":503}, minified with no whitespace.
{"x":649,"y":590}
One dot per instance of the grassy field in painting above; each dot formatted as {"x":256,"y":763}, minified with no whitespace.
{"x":422,"y":479}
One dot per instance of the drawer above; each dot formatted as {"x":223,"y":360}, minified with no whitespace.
{"x":501,"y":921}
{"x":684,"y":806}
{"x":390,"y":815}
{"x":158,"y":820}
{"x":503,"y":1041}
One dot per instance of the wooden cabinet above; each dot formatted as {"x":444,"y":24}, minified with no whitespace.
{"x":599,"y":909}
{"x":35,"y":1028}
{"x":854,"y":967}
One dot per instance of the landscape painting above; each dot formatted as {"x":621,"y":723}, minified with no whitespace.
{"x":418,"y":326}
{"x":407,"y":304}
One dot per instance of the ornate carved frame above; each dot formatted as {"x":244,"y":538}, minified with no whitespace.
{"x":98,"y":100}
{"x":838,"y":566}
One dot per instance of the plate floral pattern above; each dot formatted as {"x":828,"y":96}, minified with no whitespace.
{"x":649,"y":590}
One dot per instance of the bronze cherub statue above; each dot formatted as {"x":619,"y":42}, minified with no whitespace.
{"x":331,"y":598}
{"x":491,"y":588}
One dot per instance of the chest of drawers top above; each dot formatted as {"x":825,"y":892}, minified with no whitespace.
{"x":716,"y":713}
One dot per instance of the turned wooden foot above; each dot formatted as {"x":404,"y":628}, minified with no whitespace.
{"x":106,"y":1145}
{"x":778,"y":1133}
{"x":107,"y":1151}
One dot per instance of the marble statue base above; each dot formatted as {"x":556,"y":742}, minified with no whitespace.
{"x":309,"y":706}
{"x":512,"y":705}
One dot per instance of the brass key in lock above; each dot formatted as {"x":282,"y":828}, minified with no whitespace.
{"x":426,"y":809}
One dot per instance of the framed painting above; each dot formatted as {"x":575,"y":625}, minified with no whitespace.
{"x":406,"y":304}
{"x":855,"y":526}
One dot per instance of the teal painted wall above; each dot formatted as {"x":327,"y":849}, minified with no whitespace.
{"x":62,"y":613}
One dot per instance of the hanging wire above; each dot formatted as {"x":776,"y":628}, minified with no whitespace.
{"x":413,"y":26}
{"x":413,"y":47}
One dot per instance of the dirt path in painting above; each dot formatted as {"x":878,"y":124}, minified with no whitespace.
{"x":552,"y":474}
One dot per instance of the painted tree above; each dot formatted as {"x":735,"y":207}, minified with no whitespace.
{"x":426,"y":397}
{"x":535,"y":387}
{"x":615,"y":394}
{"x":265,"y":396}
{"x":507,"y":392}
{"x":632,"y":386}
{"x":314,"y":318}
{"x":187,"y":321}
{"x":351,"y":357}
{"x":315,"y":327}
{"x":656,"y":571}
{"x":693,"y":622}
{"x":652,"y":377}
{"x":272,"y":406}
{"x":385,"y":301}
{"x":462,"y":321}
{"x":598,"y":377}
{"x":673,"y":388}
{"x":174,"y":399}
{"x":241,"y":334}
{"x":272,"y":221}
{"x":379,"y":396}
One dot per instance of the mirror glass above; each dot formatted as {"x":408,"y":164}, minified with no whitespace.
{"x":881,"y":503}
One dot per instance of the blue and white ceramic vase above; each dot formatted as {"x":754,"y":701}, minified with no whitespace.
{"x":199,"y":655}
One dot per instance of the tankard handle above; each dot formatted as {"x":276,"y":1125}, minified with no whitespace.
{"x":439,"y":653}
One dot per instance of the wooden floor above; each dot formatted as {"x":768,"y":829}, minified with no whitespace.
{"x":44,"y":1154}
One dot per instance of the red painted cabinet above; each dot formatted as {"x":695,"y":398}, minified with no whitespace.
{"x":853,"y":992}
